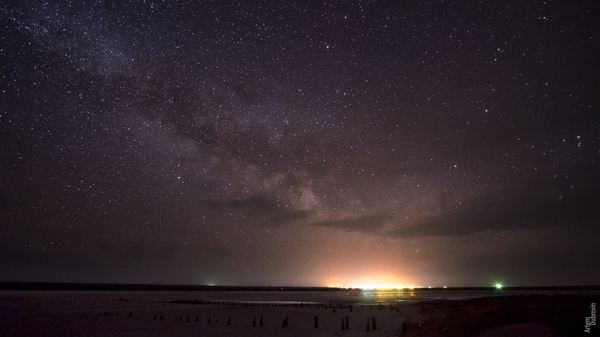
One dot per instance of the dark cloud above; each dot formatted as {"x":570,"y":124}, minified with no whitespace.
{"x":47,"y":258}
{"x":536,"y":211}
{"x":214,"y":252}
{"x":365,"y":224}
{"x":165,"y":253}
{"x":102,"y":244}
{"x":260,"y":211}
{"x":543,"y":267}
{"x":135,"y":253}
{"x":253,"y":205}
{"x":205,"y":252}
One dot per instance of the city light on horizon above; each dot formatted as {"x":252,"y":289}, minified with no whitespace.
{"x":377,"y":281}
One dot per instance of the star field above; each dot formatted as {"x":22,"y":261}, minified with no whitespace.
{"x":300,"y":143}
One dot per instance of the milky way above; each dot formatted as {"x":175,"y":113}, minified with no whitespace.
{"x":295,"y":143}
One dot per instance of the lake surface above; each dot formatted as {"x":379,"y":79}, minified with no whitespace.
{"x":358,"y":297}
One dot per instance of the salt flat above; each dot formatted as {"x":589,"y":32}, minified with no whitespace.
{"x":122,"y":314}
{"x":131,"y":313}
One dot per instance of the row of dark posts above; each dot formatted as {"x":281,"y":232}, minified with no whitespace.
{"x":295,"y":305}
{"x":285,"y":322}
{"x":373,"y":323}
{"x":345,"y":325}
{"x":254,"y":321}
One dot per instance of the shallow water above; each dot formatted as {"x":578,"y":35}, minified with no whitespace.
{"x":364,"y":297}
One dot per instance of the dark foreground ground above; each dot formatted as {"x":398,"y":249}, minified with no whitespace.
{"x":560,"y":315}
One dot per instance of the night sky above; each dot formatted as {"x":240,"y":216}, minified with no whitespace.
{"x":300,"y":143}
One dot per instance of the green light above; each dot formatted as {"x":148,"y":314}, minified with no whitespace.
{"x":498,"y":286}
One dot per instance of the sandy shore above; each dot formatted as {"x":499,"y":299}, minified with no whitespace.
{"x":484,"y":317}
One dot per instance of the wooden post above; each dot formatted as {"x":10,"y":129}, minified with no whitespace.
{"x":316,"y":322}
{"x":374,"y":322}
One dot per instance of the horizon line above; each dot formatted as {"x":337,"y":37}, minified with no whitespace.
{"x":27,"y":285}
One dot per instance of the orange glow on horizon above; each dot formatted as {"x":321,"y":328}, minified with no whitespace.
{"x":370,"y":282}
